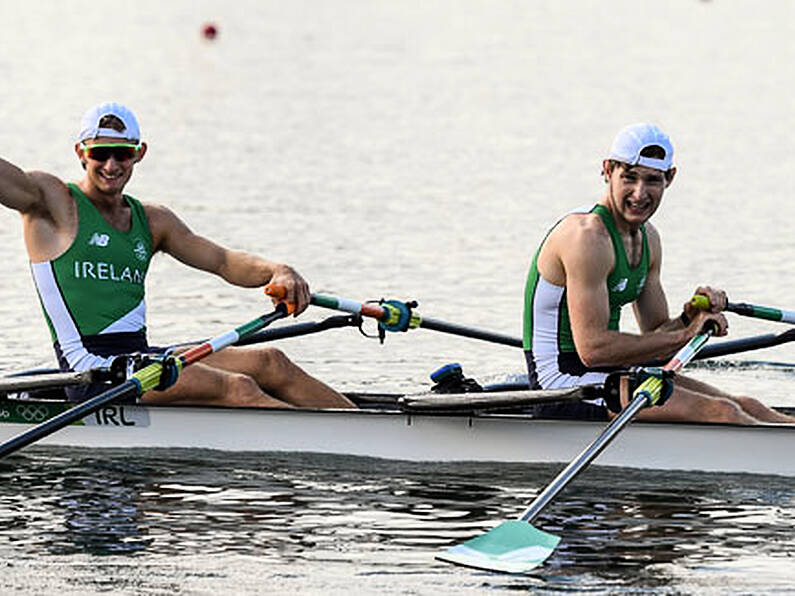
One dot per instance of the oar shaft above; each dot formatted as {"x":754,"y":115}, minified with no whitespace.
{"x":387,"y":315}
{"x":758,"y":342}
{"x":299,"y":329}
{"x":749,"y":310}
{"x":762,"y":312}
{"x":374,"y":311}
{"x":571,"y":471}
{"x":471,"y":332}
{"x":646,"y":395}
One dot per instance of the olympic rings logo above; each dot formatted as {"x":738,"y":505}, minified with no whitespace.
{"x":32,"y":413}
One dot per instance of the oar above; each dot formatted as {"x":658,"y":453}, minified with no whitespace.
{"x":517,"y":546}
{"x":746,"y":344}
{"x":287,"y":331}
{"x":140,"y":382}
{"x":749,"y":310}
{"x":394,"y":315}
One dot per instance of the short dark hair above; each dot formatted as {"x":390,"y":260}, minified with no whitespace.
{"x":111,"y":121}
{"x":653,"y":151}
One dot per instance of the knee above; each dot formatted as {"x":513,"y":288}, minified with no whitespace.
{"x":725,"y":410}
{"x":274,"y":360}
{"x":749,"y":403}
{"x":242,"y":390}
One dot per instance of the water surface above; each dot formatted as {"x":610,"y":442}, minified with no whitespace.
{"x":415,"y":151}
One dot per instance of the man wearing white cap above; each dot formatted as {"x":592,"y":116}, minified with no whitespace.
{"x":90,"y":247}
{"x":601,"y":257}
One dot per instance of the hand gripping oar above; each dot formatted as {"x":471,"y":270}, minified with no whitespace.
{"x":517,"y":546}
{"x":394,"y":315}
{"x":141,"y":381}
{"x":748,"y":310}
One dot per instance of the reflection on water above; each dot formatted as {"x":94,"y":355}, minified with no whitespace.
{"x":619,"y":527}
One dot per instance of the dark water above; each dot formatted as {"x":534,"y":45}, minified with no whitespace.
{"x":206,"y":522}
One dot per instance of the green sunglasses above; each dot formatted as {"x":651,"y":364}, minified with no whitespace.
{"x":119,"y":151}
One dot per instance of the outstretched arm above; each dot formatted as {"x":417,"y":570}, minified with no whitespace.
{"x":48,"y":213}
{"x":19,"y":190}
{"x":170,"y":234}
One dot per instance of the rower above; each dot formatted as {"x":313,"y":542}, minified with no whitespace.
{"x":598,"y":258}
{"x":90,"y":247}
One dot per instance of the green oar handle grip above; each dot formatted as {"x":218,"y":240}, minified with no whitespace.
{"x":701,"y":302}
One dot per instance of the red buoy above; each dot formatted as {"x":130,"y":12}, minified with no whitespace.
{"x":209,"y":31}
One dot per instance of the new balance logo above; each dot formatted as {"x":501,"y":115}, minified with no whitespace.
{"x":641,"y":284}
{"x":621,"y":285}
{"x":98,"y":239}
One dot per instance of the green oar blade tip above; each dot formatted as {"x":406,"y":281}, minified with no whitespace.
{"x":512,"y":547}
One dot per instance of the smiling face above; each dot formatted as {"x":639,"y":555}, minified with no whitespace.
{"x":109,"y":166}
{"x":634,"y":192}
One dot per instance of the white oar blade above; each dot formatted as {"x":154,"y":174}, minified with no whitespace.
{"x":512,"y":547}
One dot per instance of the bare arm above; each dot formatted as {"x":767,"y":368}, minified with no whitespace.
{"x":48,"y":212}
{"x":19,"y":190}
{"x":586,"y":254}
{"x":651,"y":307}
{"x":170,"y":234}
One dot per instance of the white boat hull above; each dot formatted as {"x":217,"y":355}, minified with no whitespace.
{"x":422,"y":437}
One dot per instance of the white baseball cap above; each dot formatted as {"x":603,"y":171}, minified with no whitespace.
{"x":94,"y":123}
{"x":633,"y":139}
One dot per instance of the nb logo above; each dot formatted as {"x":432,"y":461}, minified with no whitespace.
{"x":641,"y":284}
{"x":98,"y":239}
{"x":621,"y":285}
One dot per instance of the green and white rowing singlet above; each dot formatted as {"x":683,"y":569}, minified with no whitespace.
{"x":552,"y":358}
{"x":95,"y":288}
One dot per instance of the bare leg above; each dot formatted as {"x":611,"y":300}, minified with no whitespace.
{"x":750,"y":405}
{"x":685,"y":405}
{"x":250,"y":377}
{"x":279,"y":377}
{"x":202,"y":385}
{"x":695,"y":401}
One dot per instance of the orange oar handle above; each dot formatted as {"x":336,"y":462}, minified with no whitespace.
{"x":278,"y":293}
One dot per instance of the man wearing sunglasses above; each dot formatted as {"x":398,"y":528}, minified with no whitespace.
{"x":90,"y":247}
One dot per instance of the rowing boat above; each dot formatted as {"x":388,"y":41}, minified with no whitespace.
{"x":396,"y":428}
{"x":498,"y":425}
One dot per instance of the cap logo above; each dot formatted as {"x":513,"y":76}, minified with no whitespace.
{"x":111,"y":121}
